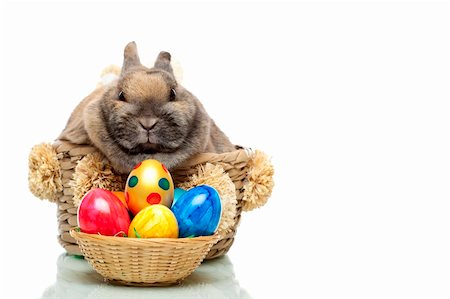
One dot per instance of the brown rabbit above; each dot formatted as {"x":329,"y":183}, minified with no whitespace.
{"x":146,"y":114}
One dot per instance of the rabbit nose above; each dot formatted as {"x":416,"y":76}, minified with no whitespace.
{"x":147,"y":122}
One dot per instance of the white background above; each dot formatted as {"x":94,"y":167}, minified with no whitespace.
{"x":350,"y":100}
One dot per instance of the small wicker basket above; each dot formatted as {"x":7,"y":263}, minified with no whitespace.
{"x":235,"y":164}
{"x":143,"y":262}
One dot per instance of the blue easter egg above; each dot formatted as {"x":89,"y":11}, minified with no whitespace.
{"x":198,"y":212}
{"x":177,"y":193}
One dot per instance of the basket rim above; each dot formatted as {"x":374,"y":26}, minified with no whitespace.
{"x":142,"y":242}
{"x":239,"y":154}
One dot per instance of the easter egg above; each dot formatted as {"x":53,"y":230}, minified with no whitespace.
{"x":121,"y":195}
{"x":155,"y":221}
{"x":101,"y":212}
{"x":176,"y":194}
{"x":198,"y":211}
{"x":148,"y":183}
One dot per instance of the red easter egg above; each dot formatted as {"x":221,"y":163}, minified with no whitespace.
{"x":102,"y":212}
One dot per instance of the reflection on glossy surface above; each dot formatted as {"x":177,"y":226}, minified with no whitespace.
{"x":76,"y":279}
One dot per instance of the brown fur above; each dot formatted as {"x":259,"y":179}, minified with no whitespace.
{"x":148,"y":122}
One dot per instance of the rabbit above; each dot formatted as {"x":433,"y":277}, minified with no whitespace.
{"x":145,"y":114}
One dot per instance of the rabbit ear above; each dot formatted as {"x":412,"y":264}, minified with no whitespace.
{"x":163,"y":62}
{"x":130,"y":56}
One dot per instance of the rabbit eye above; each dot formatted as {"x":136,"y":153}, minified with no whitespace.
{"x":173,"y":94}
{"x":121,"y":96}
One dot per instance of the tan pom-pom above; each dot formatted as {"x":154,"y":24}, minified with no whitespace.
{"x":94,"y":171}
{"x":111,"y":69}
{"x":109,"y":74}
{"x":177,"y":70}
{"x":216,"y":177}
{"x":259,"y":185}
{"x":44,"y":172}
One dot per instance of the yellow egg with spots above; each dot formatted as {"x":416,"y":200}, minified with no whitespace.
{"x":149,"y":183}
{"x":155,"y":221}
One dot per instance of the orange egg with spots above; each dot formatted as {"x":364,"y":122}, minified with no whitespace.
{"x":149,"y":183}
{"x":121,"y":195}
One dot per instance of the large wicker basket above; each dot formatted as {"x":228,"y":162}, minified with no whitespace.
{"x":143,"y":262}
{"x":235,"y":164}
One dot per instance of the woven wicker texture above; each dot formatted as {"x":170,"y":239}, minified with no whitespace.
{"x":143,"y":262}
{"x":234,"y":163}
